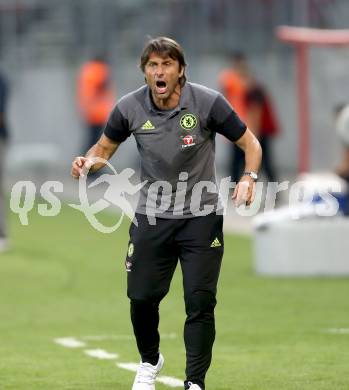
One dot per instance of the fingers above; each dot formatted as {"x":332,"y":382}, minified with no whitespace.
{"x":88,"y":164}
{"x":250,"y":195}
{"x":240,"y":195}
{"x":244,"y":193}
{"x":253,"y":193}
{"x":235,"y":193}
{"x":80,"y":161}
{"x":76,"y":167}
{"x":80,"y":167}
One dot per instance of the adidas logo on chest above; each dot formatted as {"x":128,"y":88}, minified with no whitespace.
{"x":148,"y":126}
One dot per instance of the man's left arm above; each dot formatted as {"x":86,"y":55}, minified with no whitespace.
{"x":244,"y":192}
{"x":223,"y":120}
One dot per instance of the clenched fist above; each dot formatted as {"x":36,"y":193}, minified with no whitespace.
{"x":80,"y":166}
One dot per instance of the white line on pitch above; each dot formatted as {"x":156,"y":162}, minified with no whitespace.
{"x":101,"y":354}
{"x":166,"y":380}
{"x":70,"y":342}
{"x":165,"y":336}
{"x":338,"y":330}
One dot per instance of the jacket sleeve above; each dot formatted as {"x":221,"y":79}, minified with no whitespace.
{"x":223,"y":119}
{"x":117,"y":127}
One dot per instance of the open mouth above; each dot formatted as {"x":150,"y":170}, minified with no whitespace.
{"x":161,"y":87}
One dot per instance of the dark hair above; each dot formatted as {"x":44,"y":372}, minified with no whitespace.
{"x":237,"y":56}
{"x":164,"y":46}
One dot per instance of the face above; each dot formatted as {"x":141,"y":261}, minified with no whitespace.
{"x":162,"y":75}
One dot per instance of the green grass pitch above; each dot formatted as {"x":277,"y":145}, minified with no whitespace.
{"x":64,"y":279}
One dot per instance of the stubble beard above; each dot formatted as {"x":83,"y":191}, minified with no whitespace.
{"x":165,"y":98}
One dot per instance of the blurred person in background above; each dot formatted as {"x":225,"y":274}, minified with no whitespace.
{"x":261,"y":119}
{"x":233,"y":82}
{"x":342,"y":129}
{"x":174,"y":123}
{"x":252,"y":103}
{"x":96,"y":97}
{"x":3,"y":145}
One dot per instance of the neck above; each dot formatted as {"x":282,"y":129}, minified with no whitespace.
{"x":170,"y":102}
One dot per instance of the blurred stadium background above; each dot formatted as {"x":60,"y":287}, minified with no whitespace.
{"x":64,"y":279}
{"x":44,"y":42}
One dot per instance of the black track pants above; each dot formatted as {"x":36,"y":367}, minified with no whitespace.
{"x":152,"y":257}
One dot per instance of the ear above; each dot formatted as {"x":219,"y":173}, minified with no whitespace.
{"x":181,"y":72}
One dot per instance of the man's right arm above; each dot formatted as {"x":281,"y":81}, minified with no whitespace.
{"x":103,"y":149}
{"x":116,"y":131}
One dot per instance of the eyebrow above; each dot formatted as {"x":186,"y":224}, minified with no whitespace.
{"x":168,"y":59}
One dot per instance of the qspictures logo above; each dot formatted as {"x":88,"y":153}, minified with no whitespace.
{"x":160,"y":196}
{"x":119,"y":185}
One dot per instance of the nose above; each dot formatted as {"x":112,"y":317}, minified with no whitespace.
{"x":159,"y":71}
